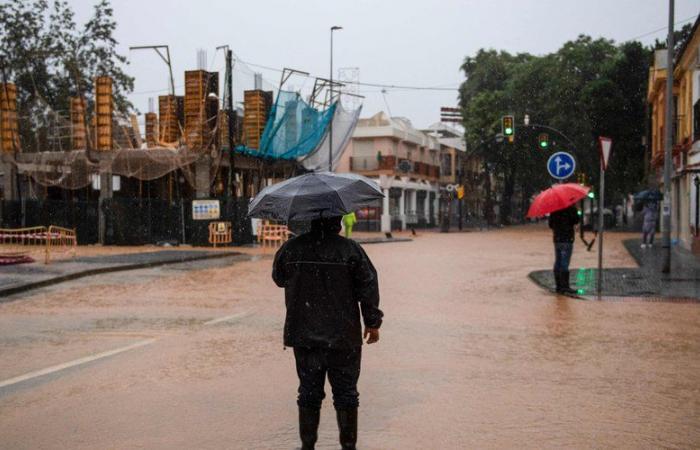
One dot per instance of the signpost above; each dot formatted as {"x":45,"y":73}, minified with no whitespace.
{"x":561,"y":165}
{"x":605,"y":146}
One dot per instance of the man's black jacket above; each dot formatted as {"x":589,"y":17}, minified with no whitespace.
{"x":327,"y":280}
{"x":562,"y":223}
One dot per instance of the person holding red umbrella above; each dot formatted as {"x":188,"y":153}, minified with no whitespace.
{"x":563,"y":223}
{"x":558,"y":201}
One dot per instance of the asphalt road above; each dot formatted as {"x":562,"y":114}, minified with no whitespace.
{"x":472,"y":355}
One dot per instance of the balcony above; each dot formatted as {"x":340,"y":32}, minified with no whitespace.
{"x":372,"y":164}
{"x":389,"y":165}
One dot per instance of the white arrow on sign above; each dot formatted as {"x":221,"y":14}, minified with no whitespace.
{"x":561,"y":166}
{"x":605,"y":148}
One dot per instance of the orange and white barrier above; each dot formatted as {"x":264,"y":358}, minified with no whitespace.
{"x":49,"y":242}
{"x":274,"y":235}
{"x":220,"y":233}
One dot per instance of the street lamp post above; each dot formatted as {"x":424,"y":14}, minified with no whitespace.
{"x":668,"y":144}
{"x":330,"y":130}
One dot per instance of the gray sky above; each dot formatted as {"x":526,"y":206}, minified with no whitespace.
{"x":401,"y":42}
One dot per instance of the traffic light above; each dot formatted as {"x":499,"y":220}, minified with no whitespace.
{"x":543,"y":139}
{"x":508,"y":126}
{"x":591,"y":195}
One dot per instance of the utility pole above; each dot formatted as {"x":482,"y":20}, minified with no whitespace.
{"x":231,"y":120}
{"x":330,"y":129}
{"x":460,"y":191}
{"x":668,"y":143}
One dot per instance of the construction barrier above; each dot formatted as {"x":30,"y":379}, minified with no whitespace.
{"x":19,"y":243}
{"x":220,"y":233}
{"x":274,"y":235}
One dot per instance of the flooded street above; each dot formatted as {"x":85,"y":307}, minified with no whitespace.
{"x":472,"y":355}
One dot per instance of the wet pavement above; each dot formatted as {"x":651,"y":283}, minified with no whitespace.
{"x":472,"y":355}
{"x":647,"y":281}
{"x":24,"y":277}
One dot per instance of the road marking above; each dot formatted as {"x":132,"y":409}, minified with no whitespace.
{"x":227,"y":318}
{"x":77,"y":362}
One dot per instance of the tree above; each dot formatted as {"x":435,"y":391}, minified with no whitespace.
{"x":51,"y":59}
{"x":588,"y":88}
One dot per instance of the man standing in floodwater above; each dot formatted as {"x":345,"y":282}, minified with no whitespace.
{"x":328,"y":283}
{"x":562,"y":223}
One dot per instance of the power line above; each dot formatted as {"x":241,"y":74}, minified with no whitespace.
{"x":688,"y":19}
{"x":246,"y":65}
{"x":359,"y":83}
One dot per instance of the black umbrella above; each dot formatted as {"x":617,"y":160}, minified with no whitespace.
{"x":314,"y":195}
{"x":650,"y":195}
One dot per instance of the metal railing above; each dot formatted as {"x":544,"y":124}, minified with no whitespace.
{"x":17,"y":242}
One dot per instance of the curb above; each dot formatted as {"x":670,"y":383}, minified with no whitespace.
{"x":537,"y":282}
{"x":6,"y":292}
{"x":382,"y":241}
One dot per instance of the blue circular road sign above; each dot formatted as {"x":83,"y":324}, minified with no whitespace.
{"x":561,"y":165}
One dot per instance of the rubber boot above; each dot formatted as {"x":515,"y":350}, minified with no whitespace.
{"x":347,"y":425}
{"x":565,"y":288}
{"x":557,"y":281}
{"x":308,"y":427}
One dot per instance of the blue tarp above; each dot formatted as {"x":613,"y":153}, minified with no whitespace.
{"x":293,"y":129}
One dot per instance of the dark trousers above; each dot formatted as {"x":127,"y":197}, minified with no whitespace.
{"x":343,"y":369}
{"x":562,"y":255}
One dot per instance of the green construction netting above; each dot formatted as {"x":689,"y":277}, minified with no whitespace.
{"x":293,"y":129}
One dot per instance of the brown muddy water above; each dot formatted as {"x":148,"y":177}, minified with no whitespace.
{"x":472,"y":355}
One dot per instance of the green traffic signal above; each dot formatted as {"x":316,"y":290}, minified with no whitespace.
{"x":591,"y":194}
{"x":508,"y":125}
{"x":544,"y":144}
{"x":543,"y":139}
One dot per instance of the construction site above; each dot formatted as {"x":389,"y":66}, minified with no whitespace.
{"x":165,"y":176}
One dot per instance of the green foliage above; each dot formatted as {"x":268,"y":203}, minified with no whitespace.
{"x":48,"y":56}
{"x":588,"y":88}
{"x":679,"y":38}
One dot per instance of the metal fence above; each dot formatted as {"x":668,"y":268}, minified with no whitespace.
{"x":128,"y":221}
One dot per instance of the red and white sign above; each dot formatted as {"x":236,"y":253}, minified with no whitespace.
{"x":605,"y":149}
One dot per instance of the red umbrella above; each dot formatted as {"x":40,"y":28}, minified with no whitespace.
{"x":557,"y":197}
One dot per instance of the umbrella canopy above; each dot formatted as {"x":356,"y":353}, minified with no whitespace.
{"x":559,"y":196}
{"x":650,"y":195}
{"x":314,"y":195}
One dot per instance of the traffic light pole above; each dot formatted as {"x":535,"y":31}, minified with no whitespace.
{"x":601,"y":227}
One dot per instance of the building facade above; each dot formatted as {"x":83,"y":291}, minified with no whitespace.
{"x":685,"y":187}
{"x":406,"y":164}
{"x":459,"y":168}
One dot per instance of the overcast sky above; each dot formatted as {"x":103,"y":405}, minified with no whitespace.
{"x":401,"y":42}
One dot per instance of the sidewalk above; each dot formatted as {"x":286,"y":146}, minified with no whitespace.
{"x":24,"y":277}
{"x":647,"y":281}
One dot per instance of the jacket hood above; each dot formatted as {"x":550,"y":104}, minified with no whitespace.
{"x":326,"y":225}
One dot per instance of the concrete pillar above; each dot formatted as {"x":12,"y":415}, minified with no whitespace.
{"x":105,"y":194}
{"x":402,"y":209}
{"x":426,"y":207}
{"x":436,"y":206}
{"x":202,"y":178}
{"x":9,"y":185}
{"x":413,"y":199}
{"x":386,"y":215}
